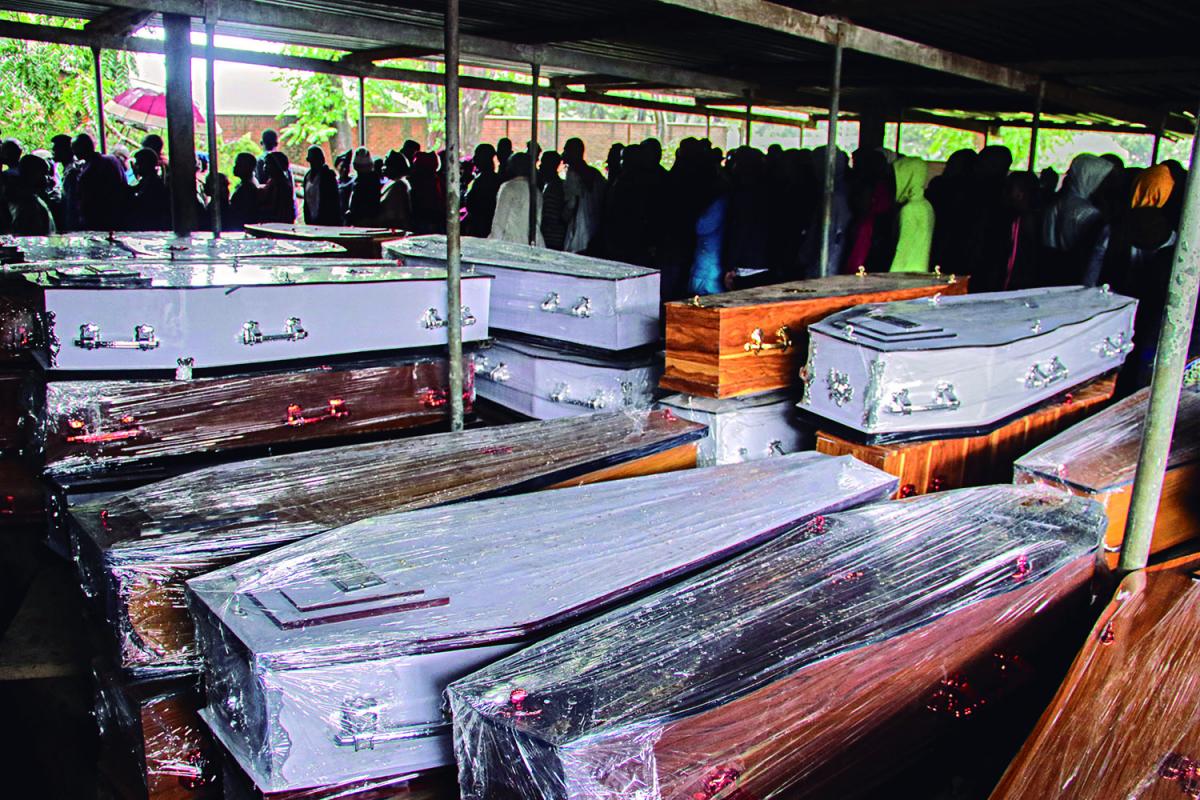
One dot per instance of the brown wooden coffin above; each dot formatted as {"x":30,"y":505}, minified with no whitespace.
{"x":1097,"y":458}
{"x":756,"y":340}
{"x":23,"y":496}
{"x":358,"y":242}
{"x":135,"y":550}
{"x":1126,"y":721}
{"x":955,"y":463}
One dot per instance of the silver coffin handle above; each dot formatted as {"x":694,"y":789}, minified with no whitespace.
{"x":1114,"y":346}
{"x":562,"y":394}
{"x":944,"y":399}
{"x":432,"y":320}
{"x":1042,"y":375}
{"x":293,"y":331}
{"x":359,"y":727}
{"x":497,"y":372}
{"x":553,"y":305}
{"x":91,"y":339}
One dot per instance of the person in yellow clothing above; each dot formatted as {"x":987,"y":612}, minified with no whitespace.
{"x":915,"y":217}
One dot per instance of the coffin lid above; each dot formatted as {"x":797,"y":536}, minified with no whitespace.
{"x":838,"y":584}
{"x":499,"y":570}
{"x":486,"y":253}
{"x":729,"y":405}
{"x":322,"y":232}
{"x":167,"y":245}
{"x":574,"y":355}
{"x":990,"y":319}
{"x":97,"y":246}
{"x":831,"y":286}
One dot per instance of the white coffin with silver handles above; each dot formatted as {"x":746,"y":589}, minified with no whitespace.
{"x":961,"y":363}
{"x":555,"y":295}
{"x":544,"y":383}
{"x":744,"y":428}
{"x":157,"y":315}
{"x":325,"y":661}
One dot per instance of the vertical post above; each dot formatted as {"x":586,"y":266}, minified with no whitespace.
{"x":210,"y":111}
{"x":533,"y":148}
{"x":708,"y":127}
{"x":1037,"y":124}
{"x":1169,"y":362}
{"x":100,"y":124}
{"x":748,"y":122}
{"x":362,"y":111}
{"x":835,"y":99}
{"x":899,"y":124}
{"x":1158,"y":134}
{"x":557,"y":101}
{"x":181,"y":125}
{"x":453,"y":233}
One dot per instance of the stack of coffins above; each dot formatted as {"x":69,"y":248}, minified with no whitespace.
{"x":135,"y":549}
{"x":325,"y":661}
{"x":810,"y":667}
{"x":1098,"y":459}
{"x":1126,"y":722}
{"x":357,"y":242}
{"x":974,"y":380}
{"x":734,"y":357}
{"x":576,"y":334}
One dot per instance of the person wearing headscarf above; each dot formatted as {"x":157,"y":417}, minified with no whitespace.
{"x":278,"y":196}
{"x":810,"y":251}
{"x":480,"y":197}
{"x":363,"y":207}
{"x":873,"y":203}
{"x":951,"y":196}
{"x":511,"y":223}
{"x":427,"y":194}
{"x":395,"y":203}
{"x":1073,"y":223}
{"x":915,"y":217}
{"x":321,"y":203}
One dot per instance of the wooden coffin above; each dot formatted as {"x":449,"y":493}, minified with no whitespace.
{"x":937,"y":464}
{"x":90,"y":430}
{"x":1098,"y":459}
{"x":136,"y":549}
{"x":13,"y":433}
{"x":725,"y":345}
{"x":23,"y":496}
{"x":807,"y":668}
{"x":744,"y":428}
{"x":325,"y":661}
{"x":1126,"y":721}
{"x":355,"y":242}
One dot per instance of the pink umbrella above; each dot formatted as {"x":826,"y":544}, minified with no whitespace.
{"x":145,"y":108}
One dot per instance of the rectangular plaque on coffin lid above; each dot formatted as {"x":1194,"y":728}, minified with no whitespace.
{"x":823,"y":658}
{"x":552,"y":294}
{"x":135,"y":549}
{"x":744,"y":428}
{"x":931,"y":367}
{"x":754,"y":340}
{"x":326,"y":660}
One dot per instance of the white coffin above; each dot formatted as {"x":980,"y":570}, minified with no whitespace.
{"x":326,"y":660}
{"x":153,"y":315}
{"x":544,"y":383}
{"x":744,"y":428}
{"x":554,"y":295}
{"x":960,"y":363}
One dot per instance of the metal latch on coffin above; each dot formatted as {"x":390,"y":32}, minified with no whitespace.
{"x":432,"y":320}
{"x":1114,"y":346}
{"x":90,"y":338}
{"x":582,"y":307}
{"x":359,"y":727}
{"x":293,"y":331}
{"x":562,"y":394}
{"x":944,"y":399}
{"x":1042,"y":375}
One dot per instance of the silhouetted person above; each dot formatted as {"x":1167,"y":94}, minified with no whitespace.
{"x":279,"y":194}
{"x":810,"y":250}
{"x":152,"y":141}
{"x":409,"y":150}
{"x":69,"y":217}
{"x":427,"y":194}
{"x":363,"y":208}
{"x":480,"y":199}
{"x":243,"y":203}
{"x":511,"y":223}
{"x":269,"y":142}
{"x":633,"y":210}
{"x":873,"y":202}
{"x":321,"y":204}
{"x":1072,"y":224}
{"x":504,"y":151}
{"x":103,"y":192}
{"x":554,"y":227}
{"x":10,"y":156}
{"x":395,"y":203}
{"x":612,"y":162}
{"x":343,"y":165}
{"x":583,"y":191}
{"x":27,"y":210}
{"x":951,"y":196}
{"x":150,"y":204}
{"x":748,"y":216}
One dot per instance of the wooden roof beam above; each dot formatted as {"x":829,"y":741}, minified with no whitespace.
{"x":118,"y":22}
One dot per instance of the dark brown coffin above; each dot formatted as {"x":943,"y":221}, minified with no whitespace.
{"x":1126,"y":722}
{"x":357,"y":242}
{"x":135,"y":550}
{"x":807,"y":668}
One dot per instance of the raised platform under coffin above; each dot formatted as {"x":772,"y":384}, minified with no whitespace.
{"x":929,"y":368}
{"x":355,"y":242}
{"x":933,"y":465}
{"x":755,"y":340}
{"x":809,"y":667}
{"x":135,"y":549}
{"x":744,"y":428}
{"x":325,"y":661}
{"x":1098,"y":459}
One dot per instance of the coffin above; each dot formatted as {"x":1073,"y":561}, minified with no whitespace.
{"x":544,"y":382}
{"x":229,"y":246}
{"x":1126,"y":721}
{"x":744,"y":428}
{"x":88,"y":246}
{"x":237,"y":785}
{"x":23,"y":496}
{"x":90,"y":430}
{"x":147,"y":316}
{"x":1098,"y":459}
{"x":754,"y":340}
{"x":12,"y":427}
{"x":806,"y":668}
{"x":356,"y":242}
{"x":554,"y":295}
{"x":934,"y":465}
{"x":325,"y":661}
{"x":959,"y":364}
{"x":135,"y":550}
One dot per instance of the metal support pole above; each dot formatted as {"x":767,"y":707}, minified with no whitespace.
{"x":1037,"y":124}
{"x":100,"y":125}
{"x":181,"y":126}
{"x":899,"y":123}
{"x":453,"y":233}
{"x":1158,"y":135}
{"x":362,"y":111}
{"x":708,"y":127}
{"x":533,"y":149}
{"x":749,"y":122}
{"x":557,"y":101}
{"x":210,"y":111}
{"x":835,"y":99}
{"x":1169,"y":363}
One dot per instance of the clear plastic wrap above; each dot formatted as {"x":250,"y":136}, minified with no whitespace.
{"x":134,"y":550}
{"x":809,"y":667}
{"x":745,"y":428}
{"x":325,"y":661}
{"x":205,"y":246}
{"x":100,"y":247}
{"x":1126,"y":721}
{"x":13,"y":436}
{"x":358,"y":242}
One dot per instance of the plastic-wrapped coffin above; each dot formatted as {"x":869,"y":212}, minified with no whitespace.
{"x":99,"y":247}
{"x":754,"y":340}
{"x":164,"y":316}
{"x":237,"y":785}
{"x":13,"y":433}
{"x":86,"y":431}
{"x":555,"y":295}
{"x":326,"y":660}
{"x":357,"y":242}
{"x":820,"y":658}
{"x":960,"y":363}
{"x":1098,"y":459}
{"x":204,"y":246}
{"x":546,"y":383}
{"x":744,"y":428}
{"x":135,"y":550}
{"x":1126,"y":722}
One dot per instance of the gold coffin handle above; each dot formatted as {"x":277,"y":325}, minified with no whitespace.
{"x":756,"y":345}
